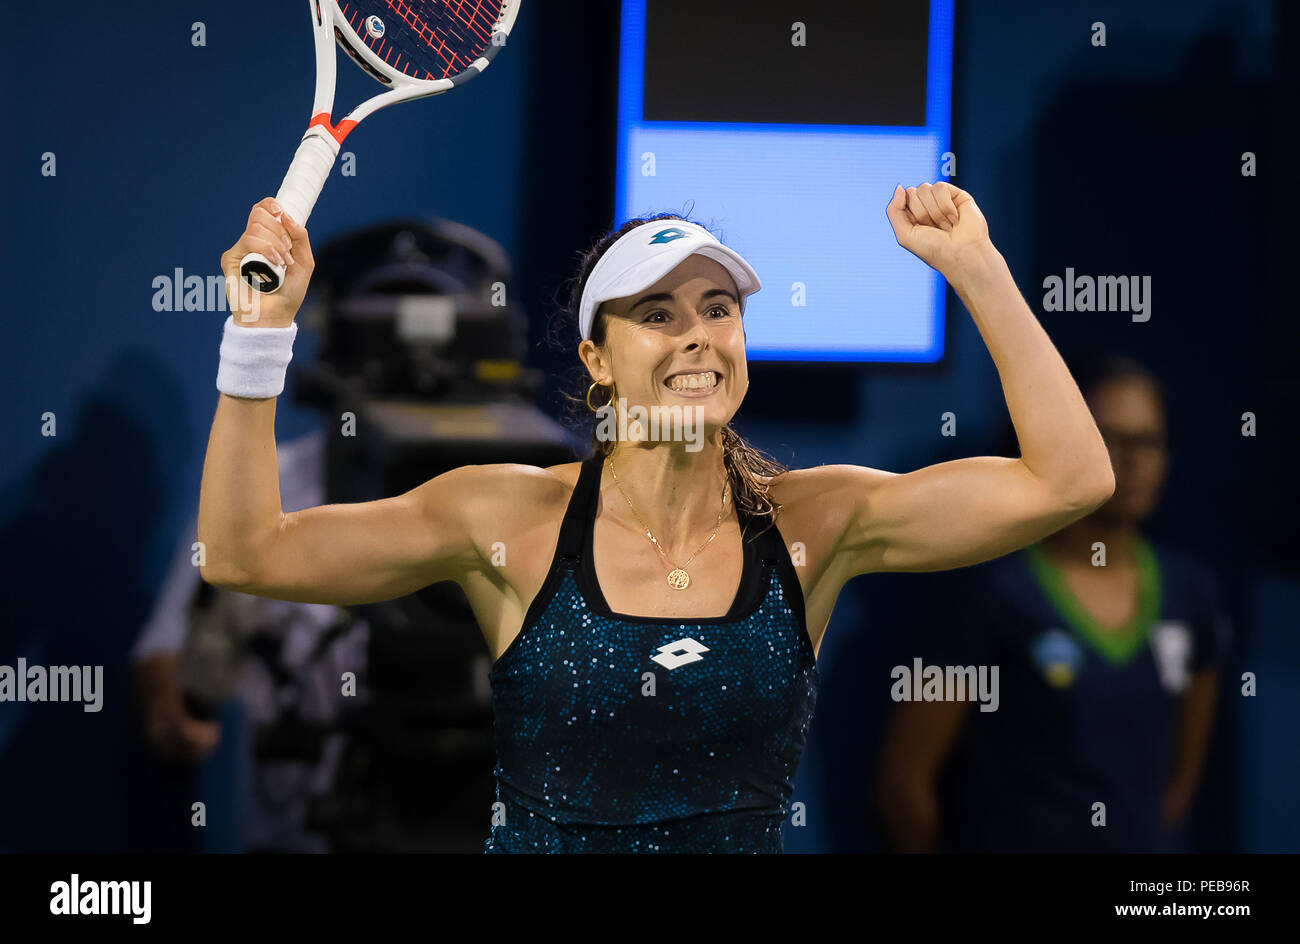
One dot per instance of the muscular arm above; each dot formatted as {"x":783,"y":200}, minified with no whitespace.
{"x":972,"y":510}
{"x":342,"y":553}
{"x":345,"y":553}
{"x":958,"y":513}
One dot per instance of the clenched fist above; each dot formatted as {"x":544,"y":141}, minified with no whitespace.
{"x":275,"y":235}
{"x":940,"y":225}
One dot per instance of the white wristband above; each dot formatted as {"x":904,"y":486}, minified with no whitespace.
{"x":254,"y":360}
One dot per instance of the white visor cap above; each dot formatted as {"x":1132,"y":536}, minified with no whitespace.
{"x":644,"y":255}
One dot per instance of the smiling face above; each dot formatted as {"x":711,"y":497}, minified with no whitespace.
{"x":678,"y":343}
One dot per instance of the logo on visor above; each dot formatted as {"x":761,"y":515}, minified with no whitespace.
{"x":667,"y":235}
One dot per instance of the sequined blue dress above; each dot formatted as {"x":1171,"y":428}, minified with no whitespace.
{"x":619,"y":733}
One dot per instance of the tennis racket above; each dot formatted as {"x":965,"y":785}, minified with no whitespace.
{"x":417,"y":48}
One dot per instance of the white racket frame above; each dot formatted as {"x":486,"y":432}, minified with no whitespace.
{"x":320,"y":145}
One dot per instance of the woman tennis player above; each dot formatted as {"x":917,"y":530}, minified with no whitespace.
{"x":654,"y":611}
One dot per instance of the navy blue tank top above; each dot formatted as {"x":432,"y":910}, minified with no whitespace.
{"x":619,"y":733}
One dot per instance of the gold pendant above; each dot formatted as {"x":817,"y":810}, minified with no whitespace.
{"x":679,"y":579}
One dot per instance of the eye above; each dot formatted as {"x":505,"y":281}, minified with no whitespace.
{"x":721,"y":311}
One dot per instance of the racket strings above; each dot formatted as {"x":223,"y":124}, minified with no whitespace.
{"x":426,"y":39}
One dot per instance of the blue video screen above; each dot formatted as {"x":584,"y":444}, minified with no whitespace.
{"x":784,"y":129}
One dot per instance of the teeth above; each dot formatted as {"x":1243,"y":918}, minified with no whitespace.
{"x":701,"y":381}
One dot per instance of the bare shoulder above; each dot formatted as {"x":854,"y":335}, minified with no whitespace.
{"x":505,"y":488}
{"x":823,"y":501}
{"x":472,"y":507}
{"x":824,"y":484}
{"x":566,"y":472}
{"x":532,"y":478}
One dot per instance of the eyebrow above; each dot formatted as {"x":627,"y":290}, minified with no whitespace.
{"x":665,"y":297}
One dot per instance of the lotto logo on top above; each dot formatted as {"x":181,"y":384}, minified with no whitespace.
{"x":680,"y":653}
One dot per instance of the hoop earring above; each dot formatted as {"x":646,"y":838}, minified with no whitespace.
{"x":597,"y":409}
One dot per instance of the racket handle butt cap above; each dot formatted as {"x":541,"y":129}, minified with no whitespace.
{"x":263,"y":275}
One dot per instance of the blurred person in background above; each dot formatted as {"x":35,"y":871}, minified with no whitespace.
{"x":283,"y":660}
{"x":1108,"y":645}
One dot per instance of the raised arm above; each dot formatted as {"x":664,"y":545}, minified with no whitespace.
{"x":341,"y":554}
{"x":970,"y":510}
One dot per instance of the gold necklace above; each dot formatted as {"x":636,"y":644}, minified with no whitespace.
{"x":678,"y":579}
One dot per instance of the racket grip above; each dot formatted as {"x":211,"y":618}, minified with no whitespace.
{"x":297,"y":196}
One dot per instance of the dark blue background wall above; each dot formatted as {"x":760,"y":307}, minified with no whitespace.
{"x":1119,"y":159}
